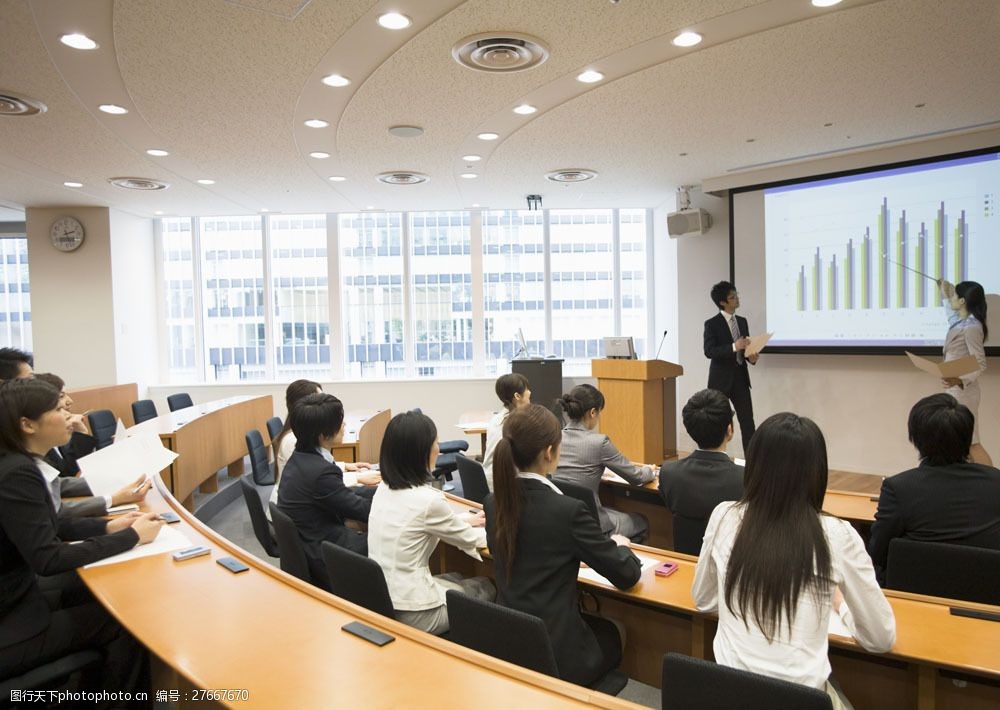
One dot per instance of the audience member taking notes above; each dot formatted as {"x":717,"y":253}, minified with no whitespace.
{"x":512,"y":390}
{"x":538,"y":537}
{"x":408,"y":518}
{"x":586,"y":453}
{"x":692,"y":487}
{"x":774,"y":566}
{"x":946,"y":498}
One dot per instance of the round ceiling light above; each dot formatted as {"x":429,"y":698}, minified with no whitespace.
{"x":13,"y":105}
{"x":469,"y":176}
{"x":687,"y":39}
{"x":206,"y":181}
{"x":78,"y":41}
{"x":113,"y":109}
{"x":138,"y":183}
{"x":525,"y":109}
{"x":336,"y":80}
{"x":319,"y":155}
{"x":401,"y":177}
{"x":406,"y":131}
{"x":471,"y":158}
{"x":500,"y":52}
{"x":570,"y":176}
{"x":825,"y":3}
{"x":316,"y":123}
{"x":488,"y":136}
{"x":337,"y":178}
{"x":157,"y":152}
{"x":590,"y":77}
{"x":70,"y":183}
{"x":394,"y":21}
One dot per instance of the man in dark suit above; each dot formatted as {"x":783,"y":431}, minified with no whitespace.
{"x":692,"y":487}
{"x":727,"y":336}
{"x":945,"y":498}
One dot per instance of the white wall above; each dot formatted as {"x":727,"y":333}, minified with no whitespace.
{"x":133,"y":270}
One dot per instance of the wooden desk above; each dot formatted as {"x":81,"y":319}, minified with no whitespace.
{"x":281,"y":640}
{"x":117,"y":398}
{"x":476,"y":428}
{"x":363,"y":432}
{"x":208,"y":437}
{"x":932,"y":646}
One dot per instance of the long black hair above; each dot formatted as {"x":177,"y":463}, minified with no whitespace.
{"x":406,"y":450}
{"x":780,"y":550}
{"x":27,"y":398}
{"x":975,"y":302}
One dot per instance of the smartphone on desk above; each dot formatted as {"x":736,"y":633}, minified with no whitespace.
{"x":666,"y":569}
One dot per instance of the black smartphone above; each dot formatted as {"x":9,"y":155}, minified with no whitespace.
{"x":368,"y":633}
{"x":232,"y":564}
{"x":170,"y":517}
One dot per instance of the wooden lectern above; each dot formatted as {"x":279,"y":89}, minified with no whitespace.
{"x":640,"y":412}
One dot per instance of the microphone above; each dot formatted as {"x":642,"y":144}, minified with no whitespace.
{"x":661,"y":345}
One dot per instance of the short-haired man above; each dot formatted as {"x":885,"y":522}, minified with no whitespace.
{"x":15,"y":364}
{"x":692,"y":487}
{"x":727,"y":336}
{"x":944,"y":499}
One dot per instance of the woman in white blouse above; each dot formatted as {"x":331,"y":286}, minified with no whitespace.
{"x":965,"y":305}
{"x":512,"y":389}
{"x":775,"y":567}
{"x":408,"y":518}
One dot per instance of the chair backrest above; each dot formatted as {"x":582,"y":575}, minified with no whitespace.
{"x":290,"y":547}
{"x":143,"y":410}
{"x":357,"y":579}
{"x":274,"y":425}
{"x":259,"y":464}
{"x":688,"y":534}
{"x":473,"y":478}
{"x":179,"y":401}
{"x":694,"y":683}
{"x":503,"y":633}
{"x":580,"y":493}
{"x":51,"y":674}
{"x":103,"y":426}
{"x":370,"y":436}
{"x":943,"y":570}
{"x":257,"y":517}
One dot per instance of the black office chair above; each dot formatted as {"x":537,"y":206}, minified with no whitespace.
{"x":447,"y":462}
{"x":261,"y":528}
{"x":52,"y":675}
{"x":944,"y":570}
{"x":688,"y":534}
{"x":291,"y":551}
{"x":274,"y":425}
{"x":103,"y":425}
{"x":259,"y":465}
{"x":579,"y":492}
{"x":512,"y":636}
{"x":179,"y":401}
{"x":357,"y":579}
{"x":143,"y":410}
{"x":473,"y":478}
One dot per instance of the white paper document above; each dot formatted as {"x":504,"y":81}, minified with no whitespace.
{"x":113,"y":467}
{"x":591,"y":576}
{"x":167,"y":540}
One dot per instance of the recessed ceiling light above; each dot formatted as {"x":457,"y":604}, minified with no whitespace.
{"x":113,"y":109}
{"x":336,"y":80}
{"x":525,"y":109}
{"x":157,"y":152}
{"x":78,"y":41}
{"x":317,"y":123}
{"x":394,"y":21}
{"x":206,"y":181}
{"x":687,"y":39}
{"x":469,"y":176}
{"x":406,"y":131}
{"x":319,"y":155}
{"x":590,"y":77}
{"x":70,"y":183}
{"x":825,"y":3}
{"x":488,"y":136}
{"x":471,"y":158}
{"x":337,"y":178}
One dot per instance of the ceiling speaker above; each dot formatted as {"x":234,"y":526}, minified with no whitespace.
{"x":688,"y":222}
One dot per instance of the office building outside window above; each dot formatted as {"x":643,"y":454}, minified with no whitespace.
{"x":178,"y":284}
{"x":15,"y":294}
{"x":633,"y":256}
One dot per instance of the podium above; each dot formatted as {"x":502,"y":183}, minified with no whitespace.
{"x":544,"y":378}
{"x":640,"y":412}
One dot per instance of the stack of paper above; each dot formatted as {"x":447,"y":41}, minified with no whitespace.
{"x":113,"y":467}
{"x":167,"y":540}
{"x":592,"y":576}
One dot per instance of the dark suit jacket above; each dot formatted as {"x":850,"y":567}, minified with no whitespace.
{"x":958,"y":504}
{"x":692,"y":487}
{"x":556,"y":532}
{"x":723,"y":370}
{"x":312,"y":493}
{"x":32,"y":543}
{"x":64,"y":459}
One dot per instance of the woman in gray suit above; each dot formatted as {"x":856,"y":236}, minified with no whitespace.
{"x":965,"y":304}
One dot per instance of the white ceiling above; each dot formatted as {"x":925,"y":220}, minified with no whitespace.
{"x":225,"y":85}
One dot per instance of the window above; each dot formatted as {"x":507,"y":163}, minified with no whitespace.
{"x":178,"y":283}
{"x":633,"y":256}
{"x":513,"y":285}
{"x":233,"y":276}
{"x":371,"y":270}
{"x":301,"y":297}
{"x":15,"y":294}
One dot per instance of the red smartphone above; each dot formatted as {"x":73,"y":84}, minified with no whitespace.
{"x":666,"y":569}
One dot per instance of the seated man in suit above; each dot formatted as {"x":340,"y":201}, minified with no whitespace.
{"x":944,"y":499}
{"x":693,"y":486}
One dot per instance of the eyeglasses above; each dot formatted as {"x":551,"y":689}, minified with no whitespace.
{"x":733,"y":296}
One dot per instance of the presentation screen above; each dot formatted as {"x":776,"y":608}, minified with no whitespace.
{"x":852,"y":261}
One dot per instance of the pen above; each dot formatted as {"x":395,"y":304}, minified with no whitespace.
{"x":139,"y":487}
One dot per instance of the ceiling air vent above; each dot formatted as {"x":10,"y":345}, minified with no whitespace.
{"x":570,"y":176}
{"x":402,"y":177}
{"x":138,"y":183}
{"x":497,"y":52}
{"x":11,"y":105}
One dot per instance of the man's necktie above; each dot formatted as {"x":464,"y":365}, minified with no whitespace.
{"x":734,"y":329}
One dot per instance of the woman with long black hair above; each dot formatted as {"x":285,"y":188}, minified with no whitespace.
{"x":775,"y":566}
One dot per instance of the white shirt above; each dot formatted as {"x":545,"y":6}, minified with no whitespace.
{"x":51,"y":476}
{"x":285,"y":451}
{"x":494,"y":432}
{"x":543,"y":479}
{"x":404,"y":528}
{"x":799,"y":654}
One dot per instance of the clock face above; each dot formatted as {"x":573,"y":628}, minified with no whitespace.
{"x":66,"y":234}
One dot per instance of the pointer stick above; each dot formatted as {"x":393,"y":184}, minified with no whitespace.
{"x":921,"y":273}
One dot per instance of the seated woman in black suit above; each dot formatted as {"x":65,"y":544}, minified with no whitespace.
{"x":312,"y":491}
{"x":538,"y":538}
{"x":42,"y":619}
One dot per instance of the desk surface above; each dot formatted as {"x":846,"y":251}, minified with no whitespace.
{"x":168,"y":424}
